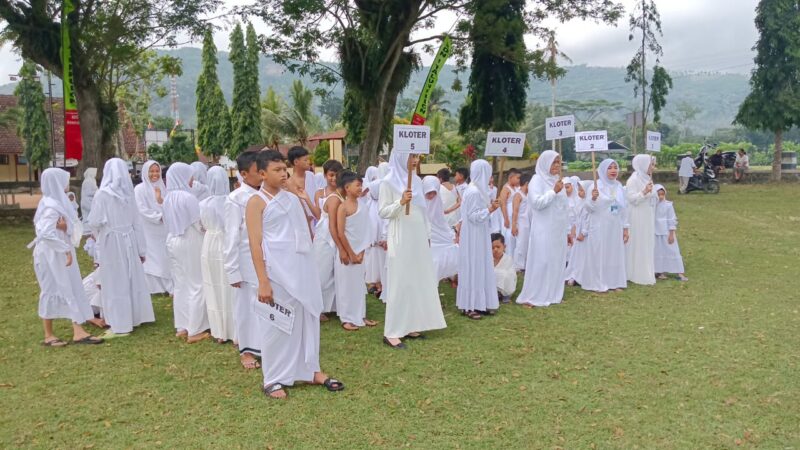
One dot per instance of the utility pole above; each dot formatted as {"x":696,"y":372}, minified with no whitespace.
{"x":52,"y":124}
{"x":553,"y":54}
{"x":644,"y":82}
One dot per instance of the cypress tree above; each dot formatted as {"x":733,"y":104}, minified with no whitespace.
{"x":253,"y":129}
{"x":213,"y":119}
{"x":33,"y":127}
{"x":245,"y":108}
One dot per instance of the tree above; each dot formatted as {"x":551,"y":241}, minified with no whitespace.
{"x":376,"y":50}
{"x":245,"y":107}
{"x":498,"y":81}
{"x":684,"y":113}
{"x":297,"y":121}
{"x":437,"y":103}
{"x":33,"y":125}
{"x":646,"y":19}
{"x":774,"y":100}
{"x":332,"y":108}
{"x":178,"y":149}
{"x":213,"y":119}
{"x":108,"y":38}
{"x":271,"y":107}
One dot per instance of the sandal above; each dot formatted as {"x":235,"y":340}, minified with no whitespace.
{"x":54,"y":343}
{"x":474,"y":315}
{"x":400,"y":346}
{"x":350,"y":327}
{"x":89,"y":340}
{"x":273,"y":388}
{"x":371,"y":323}
{"x":416,"y":336}
{"x":333,"y":385}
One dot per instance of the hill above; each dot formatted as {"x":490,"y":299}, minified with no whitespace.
{"x":717,"y":95}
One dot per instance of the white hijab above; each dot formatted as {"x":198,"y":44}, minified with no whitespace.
{"x":117,"y":179}
{"x":641,"y":164}
{"x":372,"y":182}
{"x":606,"y":185}
{"x":218,"y":182}
{"x":200,"y":172}
{"x":480,"y":172}
{"x":54,"y":182}
{"x":150,"y":187}
{"x":543,"y":164}
{"x":89,"y":178}
{"x":181,"y":208}
{"x":440,"y":231}
{"x":398,"y":178}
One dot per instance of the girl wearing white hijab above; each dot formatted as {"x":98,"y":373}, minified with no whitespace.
{"x":521,"y":223}
{"x":150,"y":199}
{"x":549,"y":235}
{"x":375,"y":255}
{"x":641,"y":200}
{"x":88,"y":189}
{"x":200,"y":183}
{"x":184,"y":245}
{"x":578,"y":254}
{"x":608,"y":232}
{"x":218,"y":293}
{"x":54,"y":261}
{"x":667,"y":252}
{"x":443,"y":246}
{"x":412,"y":297}
{"x":477,"y":286}
{"x":121,"y":249}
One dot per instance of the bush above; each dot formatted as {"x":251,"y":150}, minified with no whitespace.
{"x":579,"y":166}
{"x":321,"y":153}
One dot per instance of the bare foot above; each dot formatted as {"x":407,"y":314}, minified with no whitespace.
{"x":99,"y":323}
{"x":182,"y":334}
{"x":350,"y":327}
{"x":323,"y":318}
{"x":198,"y":337}
{"x":249,"y":361}
{"x":370,"y":323}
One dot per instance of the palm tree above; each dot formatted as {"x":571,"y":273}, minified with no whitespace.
{"x":297,"y":121}
{"x":436,"y":102}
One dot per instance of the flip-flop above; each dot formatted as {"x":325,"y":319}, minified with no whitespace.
{"x":89,"y":340}
{"x":400,"y":346}
{"x":333,"y":385}
{"x":272,"y":388}
{"x":54,"y":343}
{"x":356,"y":327}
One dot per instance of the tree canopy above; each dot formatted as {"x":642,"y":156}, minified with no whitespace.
{"x":213,"y":119}
{"x":33,"y":125}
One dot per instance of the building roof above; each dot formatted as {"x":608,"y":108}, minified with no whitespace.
{"x":11,"y":144}
{"x":332,"y":136}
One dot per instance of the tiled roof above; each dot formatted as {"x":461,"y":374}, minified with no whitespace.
{"x":333,"y":135}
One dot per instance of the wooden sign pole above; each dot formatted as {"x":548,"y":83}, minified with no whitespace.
{"x":500,"y":174}
{"x":594,"y":171}
{"x":408,"y":184}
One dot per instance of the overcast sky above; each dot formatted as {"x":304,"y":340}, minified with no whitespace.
{"x":699,"y":35}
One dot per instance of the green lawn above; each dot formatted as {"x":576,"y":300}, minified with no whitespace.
{"x":712,"y":363}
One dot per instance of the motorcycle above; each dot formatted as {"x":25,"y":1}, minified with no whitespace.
{"x":706,"y":180}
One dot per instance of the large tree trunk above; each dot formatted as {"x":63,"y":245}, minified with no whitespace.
{"x":368,"y":152}
{"x":777,"y":156}
{"x":98,"y":143}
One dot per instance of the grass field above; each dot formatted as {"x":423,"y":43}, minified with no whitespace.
{"x":712,"y":363}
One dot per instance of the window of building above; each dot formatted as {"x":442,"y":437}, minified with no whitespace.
{"x":4,"y":160}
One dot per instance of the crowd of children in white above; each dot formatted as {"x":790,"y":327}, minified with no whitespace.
{"x":263,"y":265}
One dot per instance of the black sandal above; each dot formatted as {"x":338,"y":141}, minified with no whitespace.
{"x":333,"y":385}
{"x":400,"y":346}
{"x":474,"y":315}
{"x":54,"y":343}
{"x":273,"y":388}
{"x":417,"y":336}
{"x":89,"y":340}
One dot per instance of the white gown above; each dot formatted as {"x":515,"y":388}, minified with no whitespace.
{"x":639,"y":252}
{"x":156,"y":264}
{"x":547,"y":245}
{"x":410,"y":291}
{"x":289,"y":358}
{"x":511,"y":240}
{"x":239,"y":269}
{"x":496,"y":224}
{"x":189,"y":307}
{"x":443,"y":246}
{"x":449,"y":198}
{"x":604,"y":267}
{"x":667,"y":256}
{"x":506,"y":276}
{"x":324,"y":255}
{"x":120,"y":246}
{"x":520,"y":255}
{"x":477,"y":286}
{"x":62,"y":295}
{"x":351,"y":290}
{"x":218,"y":293}
{"x":375,"y":255}
{"x":88,"y":189}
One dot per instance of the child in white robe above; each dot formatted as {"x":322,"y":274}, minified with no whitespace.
{"x":185,"y":244}
{"x":280,"y":243}
{"x":443,"y":245}
{"x":375,"y":256}
{"x":239,"y":262}
{"x":604,"y":267}
{"x":200,"y":183}
{"x":121,"y":248}
{"x":410,"y":291}
{"x":520,"y":223}
{"x":88,"y":189}
{"x":504,"y":270}
{"x":55,"y":263}
{"x":91,"y":282}
{"x":496,"y":218}
{"x":149,"y":200}
{"x":641,"y":207}
{"x":326,"y":239}
{"x":667,"y":252}
{"x":506,"y":198}
{"x":451,"y":200}
{"x":218,"y":293}
{"x":477,"y":287}
{"x":577,"y":256}
{"x":353,"y":224}
{"x":549,"y":235}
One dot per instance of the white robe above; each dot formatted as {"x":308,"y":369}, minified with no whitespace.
{"x":520,"y":255}
{"x":511,"y":240}
{"x":639,"y":255}
{"x":156,"y":264}
{"x":449,"y":198}
{"x":410,"y":291}
{"x":324,"y":255}
{"x":62,"y":295}
{"x":496,"y":222}
{"x":579,"y":252}
{"x":604,"y":267}
{"x":91,"y":287}
{"x":506,"y":276}
{"x":120,"y":245}
{"x":88,"y":189}
{"x":667,"y":256}
{"x":375,"y":255}
{"x":286,"y":241}
{"x":477,"y":286}
{"x":351,"y":290}
{"x":189,"y":306}
{"x":547,"y":245}
{"x":218,"y":293}
{"x":239,"y":269}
